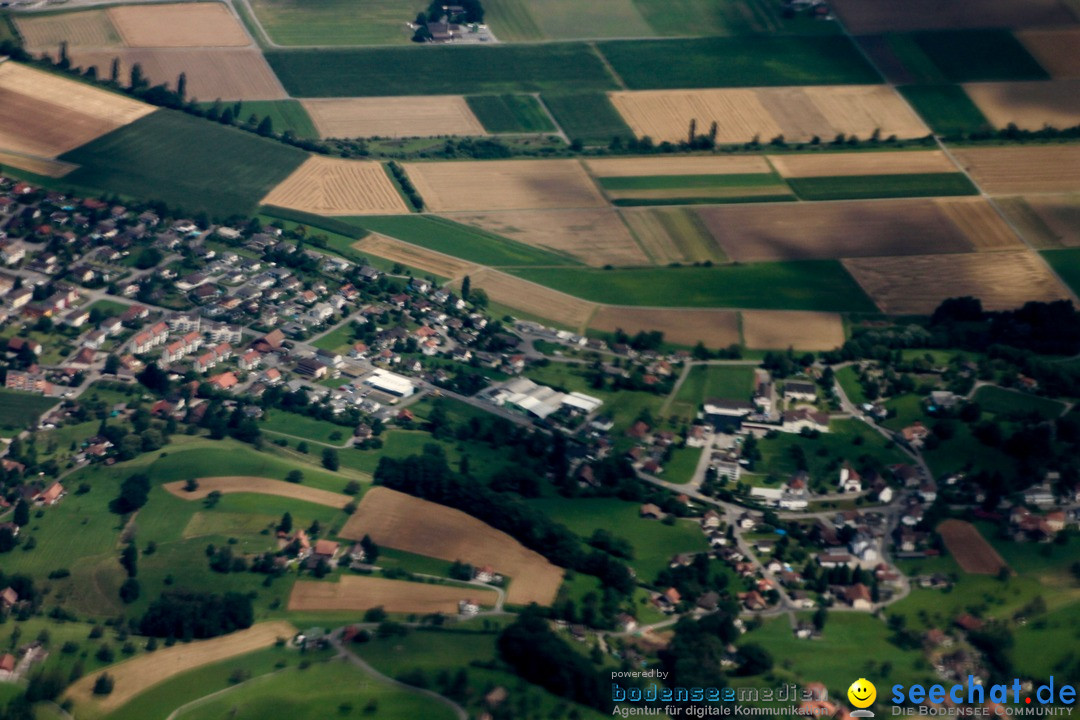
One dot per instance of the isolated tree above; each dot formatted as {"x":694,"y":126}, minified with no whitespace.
{"x":295,"y":476}
{"x":285,"y":525}
{"x":693,"y":131}
{"x":181,"y":86}
{"x":114,"y":73}
{"x":266,"y":127}
{"x":227,"y":116}
{"x":466,"y":286}
{"x":137,"y":77}
{"x":130,"y":591}
{"x":64,"y":61}
{"x":22,"y":513}
{"x":371,"y":550}
{"x":104,"y":684}
{"x":330,"y":459}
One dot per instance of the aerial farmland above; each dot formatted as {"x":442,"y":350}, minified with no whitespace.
{"x":492,"y":360}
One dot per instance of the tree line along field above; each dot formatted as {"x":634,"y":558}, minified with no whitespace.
{"x":285,"y":115}
{"x":186,"y":162}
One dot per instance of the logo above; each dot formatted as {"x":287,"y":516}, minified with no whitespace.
{"x":862,"y":694}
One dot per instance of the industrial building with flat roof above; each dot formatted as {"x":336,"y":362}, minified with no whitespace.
{"x":390,"y":383}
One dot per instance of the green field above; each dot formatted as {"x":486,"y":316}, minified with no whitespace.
{"x":739,"y":62}
{"x":186,"y":162}
{"x":733,"y":17}
{"x":688,"y":233}
{"x":947,"y":109}
{"x":459,"y":240}
{"x":336,"y":22}
{"x":333,"y":688}
{"x":1066,"y":263}
{"x":286,"y":115}
{"x":968,"y":56}
{"x":510,"y":113}
{"x":288,"y":423}
{"x":587,"y":116}
{"x":1012,"y":402}
{"x":731,"y":382}
{"x":18,"y":410}
{"x":860,"y":187}
{"x":511,"y":20}
{"x":806,"y":285}
{"x":849,"y":380}
{"x":467,"y":69}
{"x":695,"y":189}
{"x":654,"y":542}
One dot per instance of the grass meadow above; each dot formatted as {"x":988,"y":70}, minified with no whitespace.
{"x":1001,"y":401}
{"x":510,"y":113}
{"x":588,"y":117}
{"x":861,"y":187}
{"x":19,"y":410}
{"x":947,"y":109}
{"x":1066,"y":263}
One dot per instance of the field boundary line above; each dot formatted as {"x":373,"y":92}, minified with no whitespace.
{"x":607,"y":65}
{"x":637,"y":239}
{"x":547,"y":111}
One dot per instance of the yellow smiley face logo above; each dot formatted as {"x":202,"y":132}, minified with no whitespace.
{"x":862,"y":693}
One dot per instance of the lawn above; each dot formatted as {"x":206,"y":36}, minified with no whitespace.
{"x":806,"y":285}
{"x":1066,"y":263}
{"x":19,"y":410}
{"x":654,"y":542}
{"x":849,"y":441}
{"x":859,"y":187}
{"x":336,"y":22}
{"x":738,"y":62}
{"x":680,"y":468}
{"x":467,"y":243}
{"x":849,"y":381}
{"x":587,"y":116}
{"x":971,"y":56}
{"x":852,"y":645}
{"x":1012,"y":402}
{"x":509,"y":113}
{"x":336,"y":687}
{"x":284,"y":115}
{"x":730,"y":382}
{"x":947,"y":109}
{"x":187,"y":162}
{"x":288,"y":423}
{"x":466,"y":69}
{"x":339,"y":340}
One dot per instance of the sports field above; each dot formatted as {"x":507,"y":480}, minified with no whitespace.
{"x":138,"y":674}
{"x":809,"y":285}
{"x":470,"y":69}
{"x":334,"y":186}
{"x":1023,"y":169}
{"x":407,"y":523}
{"x":681,"y":326}
{"x":504,"y":185}
{"x":595,"y":237}
{"x":917,"y":284}
{"x":204,"y":24}
{"x":510,"y":113}
{"x":259,"y":485}
{"x":393,"y":117}
{"x":186,"y":162}
{"x":216,"y":73}
{"x":796,"y":113}
{"x":1029,"y":105}
{"x":46,"y":115}
{"x":738,"y":62}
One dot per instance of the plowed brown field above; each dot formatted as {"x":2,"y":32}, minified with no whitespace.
{"x":533,"y":299}
{"x":417,"y":116}
{"x":678,"y":165}
{"x":969,"y":548}
{"x":200,"y":24}
{"x":863,"y":17}
{"x":1056,"y":49}
{"x":357,"y":593}
{"x":780,"y":329}
{"x":407,"y":523}
{"x":504,"y":185}
{"x":1029,"y":105}
{"x":854,"y":164}
{"x":916,"y":285}
{"x":44,"y":33}
{"x":1019,"y":170}
{"x":415,"y":256}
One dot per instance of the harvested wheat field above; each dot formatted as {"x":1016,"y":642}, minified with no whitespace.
{"x":780,"y":329}
{"x":1028,"y":105}
{"x":863,"y":17}
{"x":1024,"y":169}
{"x":333,"y":186}
{"x":980,"y":223}
{"x":90,"y":28}
{"x":407,"y":523}
{"x":46,"y":115}
{"x":132,"y":677}
{"x":917,"y":284}
{"x":417,"y":116}
{"x":504,"y":185}
{"x":797,"y":113}
{"x":264,"y":486}
{"x":356,"y":593}
{"x":679,"y":165}
{"x":855,"y":164}
{"x":969,"y":548}
{"x":37,"y":165}
{"x":414,"y":256}
{"x":808,"y":231}
{"x":212,"y":74}
{"x":533,"y":299}
{"x":201,"y":24}
{"x":1047,"y":222}
{"x":682,"y":326}
{"x":1056,"y":49}
{"x":595,"y":237}
{"x":673,"y":235}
